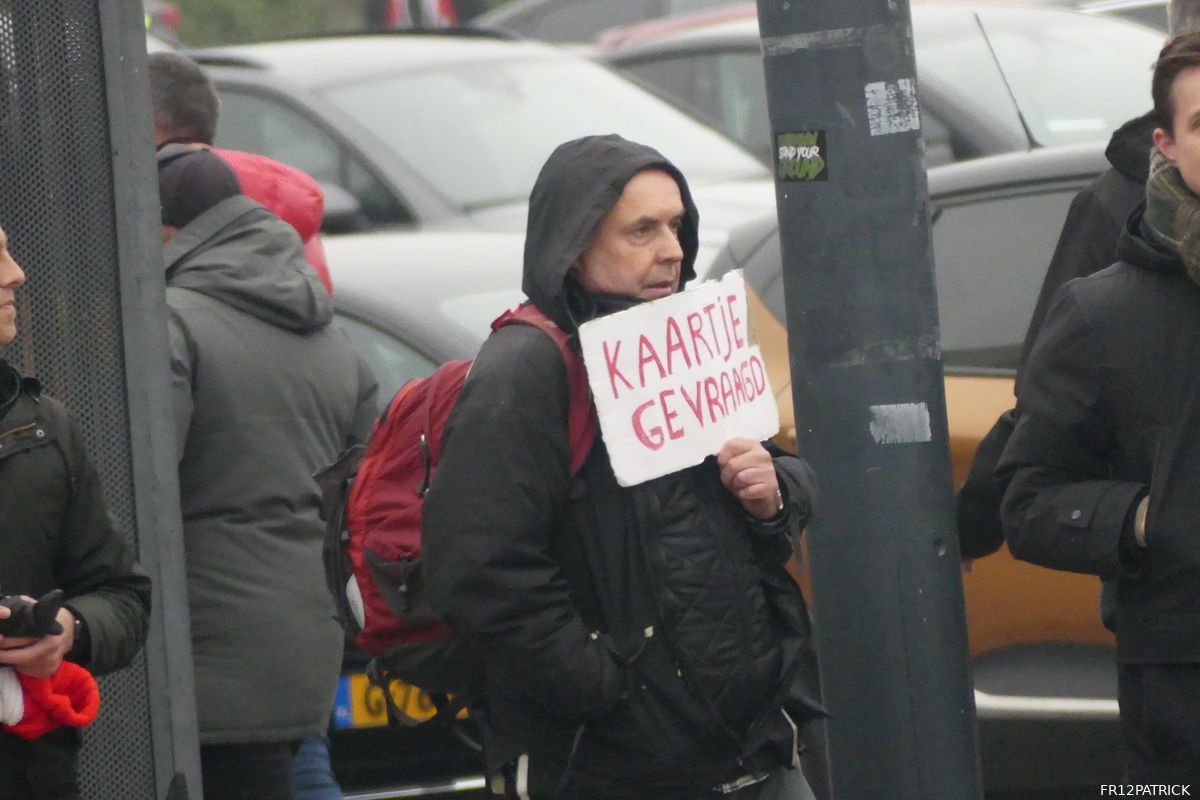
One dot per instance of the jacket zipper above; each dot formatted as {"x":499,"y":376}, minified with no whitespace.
{"x":15,"y":431}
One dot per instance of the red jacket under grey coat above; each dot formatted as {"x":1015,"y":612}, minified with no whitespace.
{"x":290,"y":194}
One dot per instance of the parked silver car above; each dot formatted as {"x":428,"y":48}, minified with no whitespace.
{"x":990,"y":78}
{"x":425,"y":130}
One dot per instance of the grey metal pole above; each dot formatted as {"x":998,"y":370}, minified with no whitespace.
{"x":867,"y":383}
{"x":142,"y":286}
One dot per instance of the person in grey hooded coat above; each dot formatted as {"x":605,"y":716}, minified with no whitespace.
{"x":266,"y":392}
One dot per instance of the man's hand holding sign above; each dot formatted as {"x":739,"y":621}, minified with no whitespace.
{"x":676,"y":380}
{"x":748,"y":471}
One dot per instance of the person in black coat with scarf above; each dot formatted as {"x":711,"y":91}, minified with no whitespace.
{"x":1105,"y":457}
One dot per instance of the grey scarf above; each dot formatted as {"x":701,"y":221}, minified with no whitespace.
{"x":1172,"y":218}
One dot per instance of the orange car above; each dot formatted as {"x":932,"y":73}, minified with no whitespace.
{"x":1043,"y":664}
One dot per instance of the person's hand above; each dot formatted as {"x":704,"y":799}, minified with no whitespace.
{"x":39,"y":657}
{"x":968,"y":565}
{"x":748,"y":472}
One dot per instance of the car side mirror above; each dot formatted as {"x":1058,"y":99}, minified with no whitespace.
{"x":343,"y":212}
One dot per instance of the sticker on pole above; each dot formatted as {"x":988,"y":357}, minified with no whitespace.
{"x":676,"y":378}
{"x":892,"y":107}
{"x":801,"y":156}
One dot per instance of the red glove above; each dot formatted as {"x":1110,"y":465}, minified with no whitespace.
{"x":68,"y":697}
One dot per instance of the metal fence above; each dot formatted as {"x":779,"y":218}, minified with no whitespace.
{"x":79,"y":203}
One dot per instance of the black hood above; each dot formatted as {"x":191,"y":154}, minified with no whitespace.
{"x":1129,"y":148}
{"x":1133,"y":247}
{"x":578,"y":184}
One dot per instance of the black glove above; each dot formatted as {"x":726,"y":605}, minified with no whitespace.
{"x":32,"y":619}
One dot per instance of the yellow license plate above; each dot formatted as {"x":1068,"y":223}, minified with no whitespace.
{"x":361,"y":704}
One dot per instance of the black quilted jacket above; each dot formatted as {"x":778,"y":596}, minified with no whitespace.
{"x":659,"y":615}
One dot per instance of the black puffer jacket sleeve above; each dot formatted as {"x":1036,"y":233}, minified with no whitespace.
{"x":1062,"y":509}
{"x":488,"y":522}
{"x":798,"y":483}
{"x":95,"y":566}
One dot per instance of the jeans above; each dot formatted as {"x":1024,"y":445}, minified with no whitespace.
{"x":312,"y":771}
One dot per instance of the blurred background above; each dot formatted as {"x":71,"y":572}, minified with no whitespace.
{"x":203,"y":23}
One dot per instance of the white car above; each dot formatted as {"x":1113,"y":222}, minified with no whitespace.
{"x":448,"y":130}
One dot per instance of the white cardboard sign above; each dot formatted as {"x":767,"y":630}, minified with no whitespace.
{"x":676,"y":378}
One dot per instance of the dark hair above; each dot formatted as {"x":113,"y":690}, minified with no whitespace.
{"x":184,"y":98}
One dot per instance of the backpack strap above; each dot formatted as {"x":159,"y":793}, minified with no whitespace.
{"x":582,"y":423}
{"x":431,"y":441}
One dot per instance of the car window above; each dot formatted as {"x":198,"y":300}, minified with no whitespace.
{"x":456,"y":124}
{"x":724,"y":86}
{"x":954,"y":62}
{"x":259,"y":124}
{"x":990,"y":256}
{"x":393,"y":362}
{"x":1101,"y":71}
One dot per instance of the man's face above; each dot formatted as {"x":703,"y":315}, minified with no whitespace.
{"x":635,"y":250}
{"x":11,"y":277}
{"x":1182,"y":145}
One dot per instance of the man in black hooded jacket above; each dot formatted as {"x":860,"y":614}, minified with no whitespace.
{"x":643,"y":641}
{"x":1105,"y":457}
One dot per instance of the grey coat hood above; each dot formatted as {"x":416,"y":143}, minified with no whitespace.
{"x":578,"y":184}
{"x":241,"y":254}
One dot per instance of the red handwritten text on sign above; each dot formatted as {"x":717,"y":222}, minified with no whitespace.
{"x":676,"y":378}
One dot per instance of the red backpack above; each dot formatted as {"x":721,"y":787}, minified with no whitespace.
{"x":373,"y":501}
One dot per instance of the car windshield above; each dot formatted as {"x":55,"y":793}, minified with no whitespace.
{"x":1075,"y":77}
{"x":1101,"y":72}
{"x":481,"y":131}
